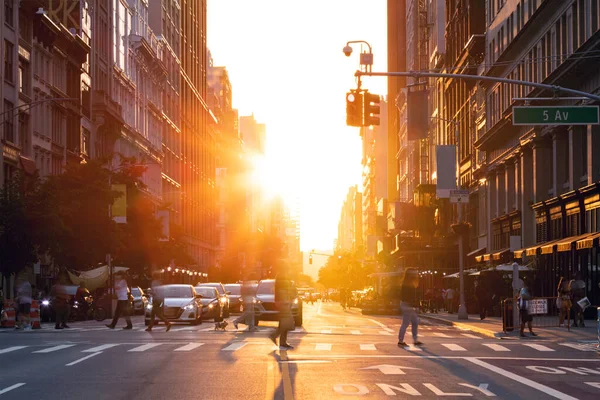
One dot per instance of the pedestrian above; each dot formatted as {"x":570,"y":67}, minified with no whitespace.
{"x":123,"y":302}
{"x":283,"y":301}
{"x":247,"y":317}
{"x":60,"y":303}
{"x":24,"y":300}
{"x":526,"y":318}
{"x":343,"y":298}
{"x":158,"y":299}
{"x":482,"y":298}
{"x":408,"y":304}
{"x":563,"y":302}
{"x":450,"y":300}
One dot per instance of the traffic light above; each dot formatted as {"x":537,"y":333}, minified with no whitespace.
{"x":354,"y":109}
{"x":371,"y":108}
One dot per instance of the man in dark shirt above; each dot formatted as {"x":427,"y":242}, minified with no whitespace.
{"x":408,"y":305}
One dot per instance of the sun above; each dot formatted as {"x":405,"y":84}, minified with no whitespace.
{"x":265,"y":177}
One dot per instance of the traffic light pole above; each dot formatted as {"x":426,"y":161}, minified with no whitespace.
{"x":416,"y":75}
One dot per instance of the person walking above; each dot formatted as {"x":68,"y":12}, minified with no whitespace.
{"x":123,"y":307}
{"x":563,"y":302}
{"x":24,"y":300}
{"x":482,"y":298}
{"x":60,"y":303}
{"x":283,"y":301}
{"x":247,"y":317}
{"x":408,"y":304}
{"x":526,"y":318}
{"x":158,"y":299}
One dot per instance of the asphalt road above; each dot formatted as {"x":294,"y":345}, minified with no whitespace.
{"x":337,"y":354}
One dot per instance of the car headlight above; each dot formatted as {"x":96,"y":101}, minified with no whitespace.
{"x":189,"y":306}
{"x":256,"y":301}
{"x":149,"y":306}
{"x":240,"y":299}
{"x":223,"y":300}
{"x":295,"y":301}
{"x":45,"y":303}
{"x":210,"y":306}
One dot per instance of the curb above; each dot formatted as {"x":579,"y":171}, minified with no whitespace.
{"x":483,"y":331}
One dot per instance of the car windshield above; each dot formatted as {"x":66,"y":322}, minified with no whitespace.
{"x":217,"y":286}
{"x":234,"y":289}
{"x":266,"y":287}
{"x":136,"y":292}
{"x":177,"y":291}
{"x":207,"y":292}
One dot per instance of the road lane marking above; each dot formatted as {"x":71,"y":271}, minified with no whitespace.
{"x":496,"y":347}
{"x":83,"y":359}
{"x":528,"y":382}
{"x":185,"y":328}
{"x":576,"y":346}
{"x":13,"y":387}
{"x":189,"y":347}
{"x":453,"y":347}
{"x":538,"y":347}
{"x":100,"y":348}
{"x":326,"y":331}
{"x":412,"y":347}
{"x":469,"y":335}
{"x":440,"y":334}
{"x":386,"y":333}
{"x":270,"y":389}
{"x":368,"y":347}
{"x":235,"y":346}
{"x":55,"y":348}
{"x":144,"y":347}
{"x":378,"y":323}
{"x":355,"y":332}
{"x":323,"y":346}
{"x":13,"y":348}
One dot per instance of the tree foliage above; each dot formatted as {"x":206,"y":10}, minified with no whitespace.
{"x":345,"y":270}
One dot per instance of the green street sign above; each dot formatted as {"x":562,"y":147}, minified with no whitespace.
{"x":551,"y":115}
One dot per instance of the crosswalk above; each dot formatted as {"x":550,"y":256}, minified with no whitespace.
{"x":310,"y":347}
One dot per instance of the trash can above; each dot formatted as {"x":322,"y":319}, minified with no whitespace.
{"x":507,"y":315}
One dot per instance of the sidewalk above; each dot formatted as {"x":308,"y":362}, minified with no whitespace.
{"x":492,"y":327}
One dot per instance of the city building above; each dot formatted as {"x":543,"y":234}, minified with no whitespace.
{"x":542,"y":181}
{"x":350,"y":226}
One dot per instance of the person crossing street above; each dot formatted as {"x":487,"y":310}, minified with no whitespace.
{"x":408,"y":305}
{"x":123,"y":306}
{"x":158,"y":298}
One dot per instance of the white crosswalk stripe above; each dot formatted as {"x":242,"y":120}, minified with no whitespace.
{"x":100,"y":348}
{"x":577,"y":346}
{"x":412,"y":347}
{"x":496,"y":347}
{"x":355,"y":332}
{"x":368,"y":347}
{"x":144,"y":347}
{"x":189,"y":347}
{"x":538,"y":347}
{"x":453,"y":347}
{"x":323,"y":346}
{"x":235,"y":346}
{"x":440,"y":334}
{"x":13,"y":348}
{"x":326,"y":331}
{"x":470,"y":336}
{"x":55,"y":348}
{"x":386,"y":333}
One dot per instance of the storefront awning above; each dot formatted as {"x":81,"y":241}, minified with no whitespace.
{"x":479,"y":258}
{"x":588,"y":242}
{"x":476,"y":252}
{"x":519,"y":253}
{"x":566,"y":243}
{"x":497,"y":255}
{"x":486,"y":257}
{"x":547,"y":248}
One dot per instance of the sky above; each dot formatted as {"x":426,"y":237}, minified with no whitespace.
{"x":286,"y":65}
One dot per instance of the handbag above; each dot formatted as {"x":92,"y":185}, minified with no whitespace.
{"x":287,"y":324}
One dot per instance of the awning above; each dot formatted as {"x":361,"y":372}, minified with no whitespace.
{"x":532,"y":251}
{"x":566,"y":243}
{"x":497,"y":255}
{"x":548,"y":247}
{"x":28,"y":165}
{"x":479,"y":258}
{"x":476,"y":252}
{"x":486,"y":257}
{"x":588,"y":242}
{"x":519,"y":253}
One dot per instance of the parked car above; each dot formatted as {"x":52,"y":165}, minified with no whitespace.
{"x":211,"y":306}
{"x":223,"y":295}
{"x":140,"y":300}
{"x":264,"y":307}
{"x":236,"y":303}
{"x":181,"y":304}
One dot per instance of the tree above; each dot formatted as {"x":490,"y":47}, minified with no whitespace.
{"x":17,"y":248}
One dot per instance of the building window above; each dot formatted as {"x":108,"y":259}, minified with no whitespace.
{"x":8,"y":60}
{"x":24,"y":132}
{"x":8,"y":12}
{"x":24,"y":77}
{"x":85,"y":142}
{"x":9,"y":129}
